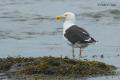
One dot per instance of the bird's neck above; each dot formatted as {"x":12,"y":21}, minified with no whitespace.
{"x":67,"y":24}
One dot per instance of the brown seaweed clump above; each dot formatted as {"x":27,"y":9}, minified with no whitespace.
{"x":55,"y":66}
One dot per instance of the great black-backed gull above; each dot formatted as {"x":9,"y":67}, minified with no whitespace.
{"x":75,"y":36}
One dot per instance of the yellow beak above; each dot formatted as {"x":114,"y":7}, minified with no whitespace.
{"x":60,"y":17}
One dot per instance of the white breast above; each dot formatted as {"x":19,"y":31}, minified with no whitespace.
{"x":66,"y":25}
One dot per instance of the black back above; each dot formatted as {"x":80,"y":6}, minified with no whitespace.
{"x":77,"y":34}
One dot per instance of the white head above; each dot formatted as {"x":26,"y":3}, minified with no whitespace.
{"x":69,"y":19}
{"x":67,"y":16}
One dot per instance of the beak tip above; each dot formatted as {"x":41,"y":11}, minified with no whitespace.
{"x":59,"y":17}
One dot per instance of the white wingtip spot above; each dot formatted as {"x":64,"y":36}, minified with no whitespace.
{"x":88,"y":39}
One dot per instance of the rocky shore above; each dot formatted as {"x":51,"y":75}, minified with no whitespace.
{"x":54,"y":66}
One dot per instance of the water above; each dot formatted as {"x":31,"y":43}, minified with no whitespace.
{"x":28,"y":28}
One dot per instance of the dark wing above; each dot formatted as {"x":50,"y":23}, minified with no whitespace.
{"x":76,"y":34}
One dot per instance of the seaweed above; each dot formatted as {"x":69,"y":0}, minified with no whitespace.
{"x":55,"y":66}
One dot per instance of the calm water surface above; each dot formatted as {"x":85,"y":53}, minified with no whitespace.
{"x":28,"y":28}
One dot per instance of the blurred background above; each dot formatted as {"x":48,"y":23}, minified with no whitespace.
{"x":28,"y":27}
